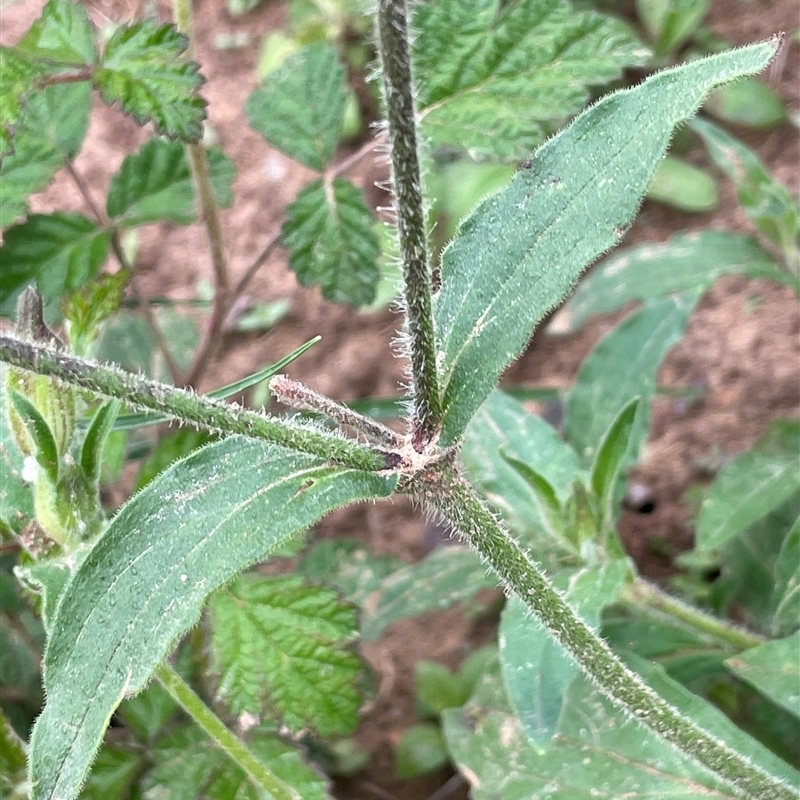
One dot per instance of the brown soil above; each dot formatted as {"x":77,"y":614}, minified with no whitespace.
{"x":741,"y":346}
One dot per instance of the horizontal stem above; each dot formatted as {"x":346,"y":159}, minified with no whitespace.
{"x":213,"y":727}
{"x":188,"y":407}
{"x":641,"y":592}
{"x":459,"y":504}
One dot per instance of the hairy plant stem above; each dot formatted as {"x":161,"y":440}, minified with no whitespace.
{"x":189,"y":407}
{"x":643,"y":593}
{"x":457,"y":502}
{"x":218,"y":732}
{"x":410,"y":211}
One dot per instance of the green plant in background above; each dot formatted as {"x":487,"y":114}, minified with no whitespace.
{"x":115,"y":596}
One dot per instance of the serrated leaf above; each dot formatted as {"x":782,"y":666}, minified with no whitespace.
{"x":687,"y":261}
{"x":575,"y":201}
{"x":16,"y":495}
{"x":52,"y":128}
{"x":773,"y":668}
{"x":329,"y":232}
{"x":750,"y":487}
{"x":142,"y":69}
{"x":300,"y":107}
{"x":536,"y":670}
{"x":503,"y":429}
{"x":283,"y":648}
{"x":58,"y":252}
{"x":766,"y":201}
{"x":595,"y":748}
{"x":190,"y":767}
{"x":19,"y":78}
{"x":143,"y":584}
{"x":156,"y":184}
{"x":623,"y":365}
{"x":786,"y":589}
{"x":496,"y":78}
{"x":62,"y":34}
{"x":442,"y":579}
{"x":13,"y":759}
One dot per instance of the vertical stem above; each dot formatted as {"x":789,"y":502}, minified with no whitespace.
{"x":398,"y":92}
{"x":459,"y":504}
{"x":212,"y":725}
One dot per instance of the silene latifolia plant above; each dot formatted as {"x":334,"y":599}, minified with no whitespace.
{"x":116,"y":596}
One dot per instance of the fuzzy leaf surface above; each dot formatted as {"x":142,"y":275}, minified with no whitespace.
{"x":142,"y":69}
{"x":521,"y":251}
{"x":332,"y":241}
{"x":62,"y":33}
{"x":300,"y":107}
{"x":156,"y":184}
{"x":190,"y":767}
{"x":594,"y":748}
{"x":687,"y":261}
{"x":19,"y":77}
{"x":283,"y":647}
{"x":16,"y":494}
{"x":536,"y":670}
{"x":774,"y":670}
{"x":143,"y":585}
{"x":58,"y":252}
{"x":442,"y":579}
{"x":496,"y":78}
{"x":751,"y":486}
{"x":624,"y":365}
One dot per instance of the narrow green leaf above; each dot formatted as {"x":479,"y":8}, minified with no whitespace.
{"x":13,"y":760}
{"x":156,"y":184}
{"x":610,"y":457}
{"x":576,"y":200}
{"x":687,"y":261}
{"x":19,"y":77}
{"x":95,"y":439}
{"x":40,"y":433}
{"x":496,"y":78}
{"x":774,"y":669}
{"x":442,"y":579}
{"x":766,"y":201}
{"x":188,"y":767}
{"x":679,"y":184}
{"x":143,"y":584}
{"x":750,"y":486}
{"x":58,"y":252}
{"x":623,"y":365}
{"x":670,"y":23}
{"x":330,"y":235}
{"x":786,"y":590}
{"x":16,"y":495}
{"x":142,"y":69}
{"x":283,"y":647}
{"x":62,"y":33}
{"x":300,"y":107}
{"x":747,"y":102}
{"x":501,"y":431}
{"x":536,"y":670}
{"x":549,"y":505}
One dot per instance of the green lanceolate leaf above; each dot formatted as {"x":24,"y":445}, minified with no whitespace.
{"x":283,"y":648}
{"x":95,"y":439}
{"x":188,"y":767}
{"x":520,"y":252}
{"x":447,"y":576}
{"x":58,"y":252}
{"x":156,"y":184}
{"x":687,"y":261}
{"x":670,"y":22}
{"x":144,"y":583}
{"x":333,"y":245}
{"x":536,"y":670}
{"x":300,"y":107}
{"x":19,"y":77}
{"x":496,"y":78}
{"x":624,"y":365}
{"x":786,"y":589}
{"x":52,"y":129}
{"x":42,"y":437}
{"x":751,"y":486}
{"x":773,"y":668}
{"x":766,"y":201}
{"x":143,"y":70}
{"x":62,"y":34}
{"x":549,"y":505}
